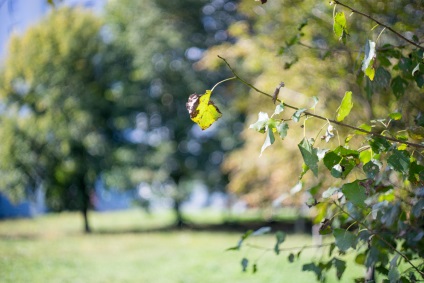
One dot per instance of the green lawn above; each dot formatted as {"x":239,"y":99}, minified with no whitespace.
{"x":52,"y":249}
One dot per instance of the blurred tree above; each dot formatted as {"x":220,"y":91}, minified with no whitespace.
{"x":66,"y":103}
{"x":168,"y":38}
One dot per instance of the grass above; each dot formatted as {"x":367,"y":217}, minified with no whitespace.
{"x":51,"y":248}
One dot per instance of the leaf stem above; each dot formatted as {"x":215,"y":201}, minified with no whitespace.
{"x":232,"y":78}
{"x":380,"y":23}
{"x":416,"y":145}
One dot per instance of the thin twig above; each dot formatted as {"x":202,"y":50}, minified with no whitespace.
{"x":378,"y":22}
{"x":382,"y":239}
{"x":289,"y":249}
{"x":318,"y":116}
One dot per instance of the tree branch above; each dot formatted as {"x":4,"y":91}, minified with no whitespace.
{"x":416,"y":145}
{"x":380,"y":23}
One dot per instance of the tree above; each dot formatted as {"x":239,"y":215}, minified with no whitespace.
{"x":67,"y":101}
{"x":167,"y":39}
{"x":366,"y":184}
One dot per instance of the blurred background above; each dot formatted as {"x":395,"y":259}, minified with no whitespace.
{"x":95,"y":135}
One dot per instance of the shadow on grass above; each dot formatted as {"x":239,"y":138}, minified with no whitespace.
{"x":295,"y":226}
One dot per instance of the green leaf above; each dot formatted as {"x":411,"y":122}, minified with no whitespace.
{"x":339,"y":26}
{"x":363,"y":127}
{"x":282,"y":129}
{"x":394,"y":275}
{"x":370,"y":71}
{"x":418,"y":208}
{"x":297,"y":114}
{"x":371,"y":169}
{"x":345,"y":106}
{"x":202,"y":110}
{"x":379,"y":145}
{"x":240,"y":242}
{"x":281,"y":236}
{"x":260,"y":125}
{"x":355,"y":193}
{"x":395,"y":116}
{"x":244,"y":264}
{"x":365,"y":156}
{"x":344,"y":239}
{"x":360,"y":259}
{"x":269,"y":140}
{"x":291,"y":257}
{"x":309,"y":154}
{"x":399,"y":161}
{"x":314,"y":268}
{"x":398,"y":86}
{"x":340,"y":267}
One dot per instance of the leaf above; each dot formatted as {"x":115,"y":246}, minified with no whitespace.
{"x":340,"y":267}
{"x":325,"y":228}
{"x":261,"y":231}
{"x":329,"y":134}
{"x":339,"y":26}
{"x":345,"y":106}
{"x":279,"y":108}
{"x":371,"y":169}
{"x":240,"y":242}
{"x":269,"y":140}
{"x":291,"y":257}
{"x":399,"y":161}
{"x":281,"y":236}
{"x":202,"y":110}
{"x":282,"y":129}
{"x":296,"y":115}
{"x":395,"y":116}
{"x":416,"y":69}
{"x":344,"y":239}
{"x":330,"y":191}
{"x":260,"y":125}
{"x":394,"y":275}
{"x":367,"y":63}
{"x":309,"y":155}
{"x":398,"y":86}
{"x":316,"y":100}
{"x":379,"y":145}
{"x":364,"y":127}
{"x":370,"y":71}
{"x":354,"y":193}
{"x":244,"y":264}
{"x":314,"y":268}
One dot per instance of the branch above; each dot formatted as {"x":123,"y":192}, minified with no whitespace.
{"x":416,"y":145}
{"x":378,"y":22}
{"x":382,"y":239}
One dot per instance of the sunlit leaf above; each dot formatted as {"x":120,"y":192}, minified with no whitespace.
{"x":260,"y":125}
{"x":202,"y":110}
{"x":367,"y":63}
{"x":345,"y":106}
{"x":282,"y":129}
{"x":269,"y":140}
{"x":339,"y":26}
{"x":395,"y":116}
{"x":279,"y":108}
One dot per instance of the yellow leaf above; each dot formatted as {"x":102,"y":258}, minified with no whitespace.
{"x":202,"y":110}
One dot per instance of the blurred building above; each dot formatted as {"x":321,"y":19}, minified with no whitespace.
{"x":17,"y":15}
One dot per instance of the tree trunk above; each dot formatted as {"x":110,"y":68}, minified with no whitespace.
{"x":85,"y":205}
{"x":179,"y":219}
